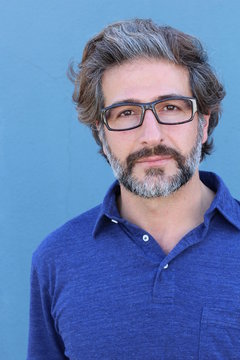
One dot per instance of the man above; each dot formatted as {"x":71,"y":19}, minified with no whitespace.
{"x":152,"y":272}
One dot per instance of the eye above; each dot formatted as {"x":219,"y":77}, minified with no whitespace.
{"x":123,"y":112}
{"x":127,"y":112}
{"x":170,"y":107}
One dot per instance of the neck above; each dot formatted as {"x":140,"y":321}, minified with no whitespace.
{"x":169,"y":218}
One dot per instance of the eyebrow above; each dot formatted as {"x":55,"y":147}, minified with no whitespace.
{"x":132,"y":100}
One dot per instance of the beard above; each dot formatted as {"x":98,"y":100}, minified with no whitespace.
{"x":155,"y":183}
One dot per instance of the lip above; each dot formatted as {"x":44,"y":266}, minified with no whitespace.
{"x":155,"y":160}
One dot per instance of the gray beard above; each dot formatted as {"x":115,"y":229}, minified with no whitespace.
{"x":155,"y":183}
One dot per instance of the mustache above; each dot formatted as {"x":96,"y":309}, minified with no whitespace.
{"x":156,"y":150}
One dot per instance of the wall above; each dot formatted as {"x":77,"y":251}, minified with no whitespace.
{"x":49,"y":162}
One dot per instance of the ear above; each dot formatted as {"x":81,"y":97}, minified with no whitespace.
{"x":97,"y":124}
{"x":205,"y":128}
{"x":100,"y":129}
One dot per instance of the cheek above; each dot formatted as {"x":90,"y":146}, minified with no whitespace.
{"x":180,"y":136}
{"x":120,"y":142}
{"x":184,"y":137}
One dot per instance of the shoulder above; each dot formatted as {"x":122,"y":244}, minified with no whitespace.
{"x":68,"y":238}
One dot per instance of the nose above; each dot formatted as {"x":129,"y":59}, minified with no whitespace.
{"x":152,"y":133}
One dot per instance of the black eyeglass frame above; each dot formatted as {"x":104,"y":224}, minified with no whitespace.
{"x":149,"y":106}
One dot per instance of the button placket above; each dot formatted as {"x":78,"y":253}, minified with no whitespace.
{"x":164,"y":284}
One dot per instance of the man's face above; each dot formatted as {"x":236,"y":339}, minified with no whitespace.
{"x":155,"y":159}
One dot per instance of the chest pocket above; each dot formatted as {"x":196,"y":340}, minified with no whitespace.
{"x":219,"y":334}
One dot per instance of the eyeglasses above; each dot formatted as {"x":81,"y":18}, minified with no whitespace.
{"x":169,"y":111}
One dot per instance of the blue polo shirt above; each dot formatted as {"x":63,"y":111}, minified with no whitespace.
{"x":102,"y":288}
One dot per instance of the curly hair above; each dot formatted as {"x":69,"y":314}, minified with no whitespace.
{"x":141,"y":38}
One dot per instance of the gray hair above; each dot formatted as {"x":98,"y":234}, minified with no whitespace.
{"x":141,"y":38}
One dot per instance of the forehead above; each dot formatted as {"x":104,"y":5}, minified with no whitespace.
{"x":144,"y":80}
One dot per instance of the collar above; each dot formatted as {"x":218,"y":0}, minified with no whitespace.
{"x":223,"y":202}
{"x":108,"y":210}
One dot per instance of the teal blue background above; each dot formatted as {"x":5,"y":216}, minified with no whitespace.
{"x":50,"y":169}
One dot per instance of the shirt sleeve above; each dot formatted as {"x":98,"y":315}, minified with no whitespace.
{"x":44,"y":341}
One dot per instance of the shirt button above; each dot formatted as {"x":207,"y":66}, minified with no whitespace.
{"x":145,"y":237}
{"x":114,"y":221}
{"x":166,"y":266}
